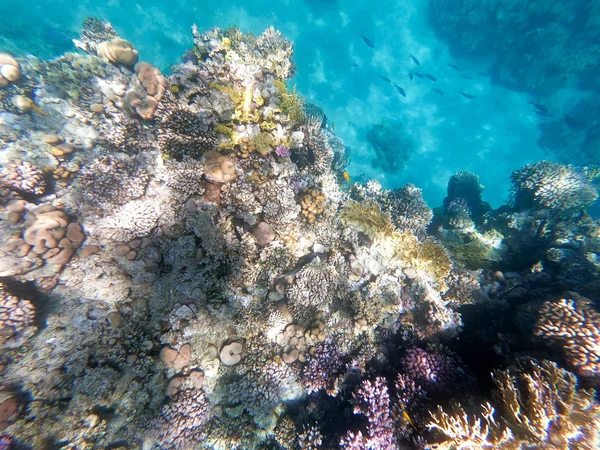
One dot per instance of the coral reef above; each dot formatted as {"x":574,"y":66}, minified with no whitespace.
{"x":185,"y":264}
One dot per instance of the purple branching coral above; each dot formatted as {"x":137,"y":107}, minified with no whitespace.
{"x":324,"y":368}
{"x":431,"y":370}
{"x":282,"y":151}
{"x":373,"y":401}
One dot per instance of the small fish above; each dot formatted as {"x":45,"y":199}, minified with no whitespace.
{"x":454,"y":66}
{"x":332,"y":126}
{"x":386,"y":79}
{"x":350,"y":124}
{"x":415,"y":60}
{"x":420,"y":75}
{"x":485,"y":74}
{"x":539,"y":107}
{"x":368,"y":41}
{"x":400,"y":90}
{"x":410,"y":75}
{"x":38,"y":110}
{"x":408,"y":419}
{"x":466,"y":77}
{"x":439,"y":91}
{"x":354,"y":65}
{"x":346,"y":176}
{"x":429,"y":77}
{"x":469,"y":96}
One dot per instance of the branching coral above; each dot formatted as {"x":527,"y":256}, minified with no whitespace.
{"x":373,"y":401}
{"x":541,"y":407}
{"x":17,"y":319}
{"x":551,"y":185}
{"x":574,"y":325}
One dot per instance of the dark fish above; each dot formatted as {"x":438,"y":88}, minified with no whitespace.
{"x":386,"y":79}
{"x":439,"y":91}
{"x":400,"y":90}
{"x":420,"y":75}
{"x":485,"y":74}
{"x":455,"y":67}
{"x":410,"y":75}
{"x":466,"y":77}
{"x":541,"y":108}
{"x":429,"y":77}
{"x":469,"y":96}
{"x":368,"y":41}
{"x":354,"y":65}
{"x":415,"y":60}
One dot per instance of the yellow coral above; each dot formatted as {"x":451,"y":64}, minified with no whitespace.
{"x":368,"y":218}
{"x":427,"y":256}
{"x":291,"y":103}
{"x":263,"y":143}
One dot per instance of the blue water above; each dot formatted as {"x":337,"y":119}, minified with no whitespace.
{"x":491,"y":135}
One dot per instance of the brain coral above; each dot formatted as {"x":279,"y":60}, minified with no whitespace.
{"x":17,"y":317}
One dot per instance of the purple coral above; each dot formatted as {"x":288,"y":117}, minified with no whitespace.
{"x":282,"y":151}
{"x":373,"y":401}
{"x":431,"y":370}
{"x":324,"y":367}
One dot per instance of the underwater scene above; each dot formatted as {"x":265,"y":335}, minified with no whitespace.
{"x":305,"y":224}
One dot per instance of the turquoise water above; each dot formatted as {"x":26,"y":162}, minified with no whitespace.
{"x":491,"y":135}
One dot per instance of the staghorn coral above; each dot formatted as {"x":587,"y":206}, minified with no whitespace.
{"x":574,"y":325}
{"x":94,"y":32}
{"x":17,"y":319}
{"x":541,"y":407}
{"x":551,"y":185}
{"x":373,"y":401}
{"x":22,"y":176}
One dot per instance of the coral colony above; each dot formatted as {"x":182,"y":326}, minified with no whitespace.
{"x":184,"y":264}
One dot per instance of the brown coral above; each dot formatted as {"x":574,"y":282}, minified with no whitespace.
{"x":219,"y":168}
{"x":118,"y":51}
{"x":10,"y":70}
{"x":154,"y":85}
